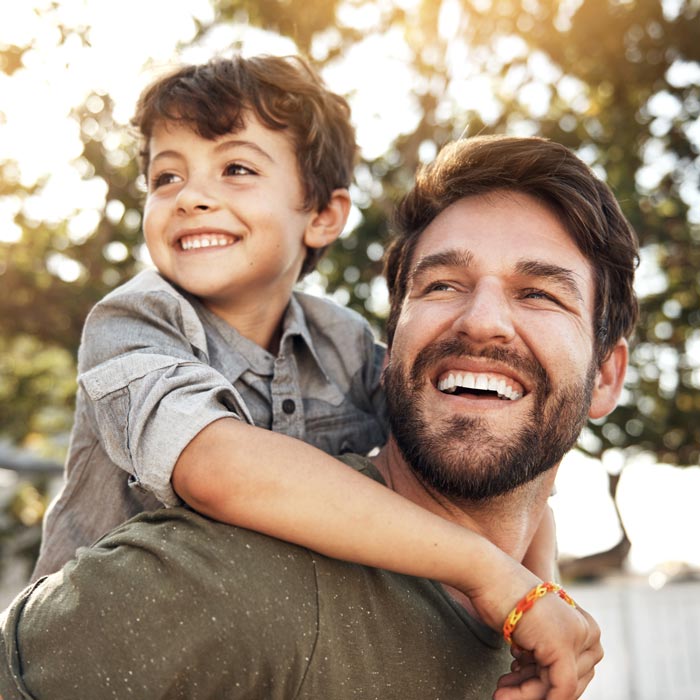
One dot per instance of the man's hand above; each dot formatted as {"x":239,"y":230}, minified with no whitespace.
{"x":555,"y":651}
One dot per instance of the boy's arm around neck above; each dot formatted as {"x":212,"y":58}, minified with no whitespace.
{"x":285,"y":488}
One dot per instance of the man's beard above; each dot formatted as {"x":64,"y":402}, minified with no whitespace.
{"x":462,"y":458}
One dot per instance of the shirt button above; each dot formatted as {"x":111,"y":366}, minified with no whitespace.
{"x":288,"y":406}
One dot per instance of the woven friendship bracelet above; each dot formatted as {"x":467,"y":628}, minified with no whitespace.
{"x":528,"y":601}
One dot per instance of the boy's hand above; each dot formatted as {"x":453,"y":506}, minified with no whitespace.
{"x":562,"y":642}
{"x":556,"y":648}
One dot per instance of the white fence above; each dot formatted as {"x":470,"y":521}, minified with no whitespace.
{"x":651,"y":639}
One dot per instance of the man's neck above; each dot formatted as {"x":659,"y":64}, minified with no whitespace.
{"x":509,"y":520}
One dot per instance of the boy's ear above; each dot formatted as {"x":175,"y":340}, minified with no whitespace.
{"x":326,"y":225}
{"x":609,"y":381}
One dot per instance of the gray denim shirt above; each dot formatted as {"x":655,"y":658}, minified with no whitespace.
{"x":155,"y":367}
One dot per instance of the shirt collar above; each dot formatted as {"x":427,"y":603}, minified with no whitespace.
{"x":294,"y":325}
{"x":247,"y":354}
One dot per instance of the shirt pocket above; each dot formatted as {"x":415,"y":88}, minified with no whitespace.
{"x":344,"y":429}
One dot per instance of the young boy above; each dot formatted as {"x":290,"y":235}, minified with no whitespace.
{"x":195,"y":380}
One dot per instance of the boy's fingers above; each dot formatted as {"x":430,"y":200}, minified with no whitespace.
{"x":593,"y":636}
{"x":585,"y":672}
{"x":583,"y":683}
{"x":517,"y":676}
{"x":522,"y":659}
{"x":531,"y":689}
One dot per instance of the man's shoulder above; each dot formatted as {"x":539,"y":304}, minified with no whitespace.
{"x":230,"y":602}
{"x":229,"y":569}
{"x":172,"y":575}
{"x":184,"y":539}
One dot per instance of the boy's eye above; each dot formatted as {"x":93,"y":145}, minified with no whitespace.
{"x":162,"y":179}
{"x":237,"y":169}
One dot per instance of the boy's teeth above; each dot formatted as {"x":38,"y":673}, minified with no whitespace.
{"x":482,"y":382}
{"x":205,"y":241}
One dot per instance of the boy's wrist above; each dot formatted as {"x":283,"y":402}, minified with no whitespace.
{"x":526,"y":603}
{"x":496,"y":588}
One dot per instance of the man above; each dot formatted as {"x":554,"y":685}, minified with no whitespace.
{"x":511,"y":298}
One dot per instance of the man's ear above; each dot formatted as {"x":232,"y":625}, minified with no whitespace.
{"x":609,"y":381}
{"x":326,"y":225}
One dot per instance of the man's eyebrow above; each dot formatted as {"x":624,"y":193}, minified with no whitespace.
{"x":447,"y":258}
{"x":562,"y":276}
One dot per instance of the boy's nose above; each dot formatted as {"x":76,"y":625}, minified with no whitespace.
{"x":193,"y":196}
{"x":486,"y":315}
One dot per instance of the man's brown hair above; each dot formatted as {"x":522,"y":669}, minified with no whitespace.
{"x":556,"y":177}
{"x":284,"y":93}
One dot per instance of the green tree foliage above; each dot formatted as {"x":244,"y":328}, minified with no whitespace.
{"x":616,"y":80}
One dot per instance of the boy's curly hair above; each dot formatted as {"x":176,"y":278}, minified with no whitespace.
{"x":285,"y":93}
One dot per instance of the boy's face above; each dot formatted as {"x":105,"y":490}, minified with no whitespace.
{"x":223,"y":218}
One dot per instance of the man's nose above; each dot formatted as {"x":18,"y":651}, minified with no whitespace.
{"x":486,"y":315}
{"x":194,"y":196}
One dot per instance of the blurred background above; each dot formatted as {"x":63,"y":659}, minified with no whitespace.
{"x":618,"y":81}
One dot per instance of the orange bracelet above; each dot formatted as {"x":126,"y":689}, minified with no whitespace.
{"x":528,"y":601}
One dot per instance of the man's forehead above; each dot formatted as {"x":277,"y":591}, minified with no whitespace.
{"x":512,"y":214}
{"x":512,"y":229}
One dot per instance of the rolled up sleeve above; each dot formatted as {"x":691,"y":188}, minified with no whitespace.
{"x":143,"y":369}
{"x":149,"y":407}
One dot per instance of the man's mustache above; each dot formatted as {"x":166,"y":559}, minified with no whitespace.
{"x":458,"y":348}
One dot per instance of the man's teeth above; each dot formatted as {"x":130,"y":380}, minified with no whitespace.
{"x":205,"y":241}
{"x":482,"y":382}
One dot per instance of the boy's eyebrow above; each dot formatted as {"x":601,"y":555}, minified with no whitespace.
{"x":224,"y":146}
{"x":237,"y":143}
{"x":561,"y":276}
{"x":164,"y":154}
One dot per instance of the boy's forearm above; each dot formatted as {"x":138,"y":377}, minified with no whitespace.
{"x":285,"y":488}
{"x":541,"y":556}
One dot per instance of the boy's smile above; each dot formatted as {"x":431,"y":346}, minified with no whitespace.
{"x":224,"y":218}
{"x":196,"y":240}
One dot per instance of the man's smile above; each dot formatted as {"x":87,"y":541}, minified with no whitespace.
{"x":478,"y":384}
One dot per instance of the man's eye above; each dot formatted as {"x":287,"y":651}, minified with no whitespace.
{"x":237,"y":169}
{"x":539,"y":294}
{"x":439,"y":287}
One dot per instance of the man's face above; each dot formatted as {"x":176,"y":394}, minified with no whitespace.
{"x":491,"y":372}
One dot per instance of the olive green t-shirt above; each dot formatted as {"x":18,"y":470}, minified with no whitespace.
{"x":174,"y":605}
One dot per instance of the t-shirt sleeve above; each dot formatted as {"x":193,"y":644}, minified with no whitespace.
{"x":143,"y":368}
{"x":227,"y":607}
{"x":11,"y":685}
